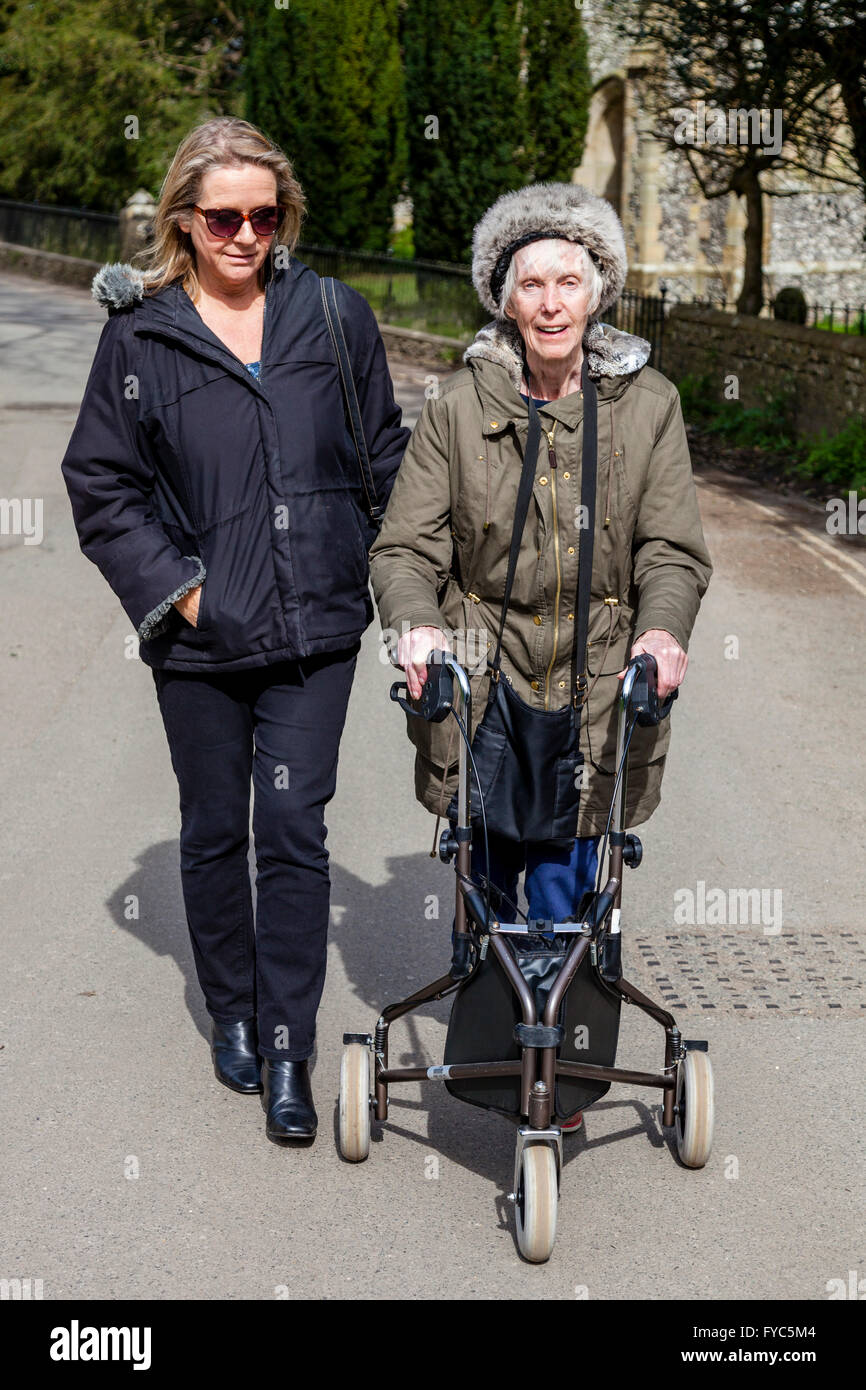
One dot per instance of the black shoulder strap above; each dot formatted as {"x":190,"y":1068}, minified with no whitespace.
{"x":350,"y":395}
{"x":524,"y":492}
{"x":589,"y":470}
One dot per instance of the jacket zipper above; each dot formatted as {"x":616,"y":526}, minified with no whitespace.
{"x":551,"y":455}
{"x":264,"y":330}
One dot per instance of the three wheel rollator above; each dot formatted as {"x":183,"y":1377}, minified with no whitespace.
{"x":535,"y":1018}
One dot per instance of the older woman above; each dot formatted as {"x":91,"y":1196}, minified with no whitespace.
{"x":214,"y":483}
{"x":546,"y":260}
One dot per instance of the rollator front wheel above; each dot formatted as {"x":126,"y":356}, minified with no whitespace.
{"x":355,"y":1102}
{"x":695,"y":1109}
{"x":537,"y":1199}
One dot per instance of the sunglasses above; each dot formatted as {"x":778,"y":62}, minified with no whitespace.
{"x":227,"y":222}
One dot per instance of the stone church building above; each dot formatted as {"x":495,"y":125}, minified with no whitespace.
{"x":693,"y":245}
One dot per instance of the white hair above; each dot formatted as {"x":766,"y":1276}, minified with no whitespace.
{"x":550,"y":256}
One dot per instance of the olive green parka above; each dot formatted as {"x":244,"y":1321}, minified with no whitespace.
{"x":441,"y":556}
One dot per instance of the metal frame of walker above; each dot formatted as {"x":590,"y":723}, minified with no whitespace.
{"x":539,"y":1065}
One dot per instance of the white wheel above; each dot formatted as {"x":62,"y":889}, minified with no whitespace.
{"x":695,"y":1113}
{"x":355,"y":1102}
{"x":537,"y":1200}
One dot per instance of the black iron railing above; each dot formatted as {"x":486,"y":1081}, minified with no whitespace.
{"x":430,"y":296}
{"x":833,"y":318}
{"x":94,"y":236}
{"x":643,"y":314}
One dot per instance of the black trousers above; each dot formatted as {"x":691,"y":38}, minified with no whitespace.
{"x":278,"y":728}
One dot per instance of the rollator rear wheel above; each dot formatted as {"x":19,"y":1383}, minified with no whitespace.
{"x":537,"y":1200}
{"x":355,"y":1102}
{"x":695,"y":1112}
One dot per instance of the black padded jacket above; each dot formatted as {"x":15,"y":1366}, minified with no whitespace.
{"x":184,"y":468}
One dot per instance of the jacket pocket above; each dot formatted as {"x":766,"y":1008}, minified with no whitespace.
{"x":213,"y":433}
{"x":239,"y":609}
{"x":649,"y":743}
{"x":625,"y":504}
{"x":611,"y":657}
{"x":472,"y":646}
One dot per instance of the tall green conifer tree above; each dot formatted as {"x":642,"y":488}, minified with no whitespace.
{"x":324,"y":79}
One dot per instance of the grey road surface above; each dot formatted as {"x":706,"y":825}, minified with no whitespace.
{"x":129,"y":1172}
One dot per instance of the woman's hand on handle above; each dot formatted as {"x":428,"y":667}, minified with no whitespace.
{"x":671,"y":660}
{"x":413,"y":649}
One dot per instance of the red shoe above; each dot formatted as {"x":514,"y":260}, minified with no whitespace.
{"x":574,"y":1122}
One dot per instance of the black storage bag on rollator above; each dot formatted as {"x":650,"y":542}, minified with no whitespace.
{"x":486,"y":1009}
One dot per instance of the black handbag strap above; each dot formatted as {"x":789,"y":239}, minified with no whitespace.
{"x":524,"y":492}
{"x":589,"y":470}
{"x":350,"y":394}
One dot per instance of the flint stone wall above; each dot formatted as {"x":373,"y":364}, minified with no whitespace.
{"x":827,"y":370}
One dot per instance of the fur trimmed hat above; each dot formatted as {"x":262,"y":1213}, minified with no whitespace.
{"x":543,"y":210}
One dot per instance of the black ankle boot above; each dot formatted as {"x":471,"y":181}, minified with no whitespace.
{"x":236,"y":1061}
{"x":287,"y":1100}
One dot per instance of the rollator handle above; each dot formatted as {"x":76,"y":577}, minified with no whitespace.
{"x":437,"y":692}
{"x":643,"y":691}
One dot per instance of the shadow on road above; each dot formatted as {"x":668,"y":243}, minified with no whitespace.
{"x":153,"y":890}
{"x":387,"y":945}
{"x":394,"y":936}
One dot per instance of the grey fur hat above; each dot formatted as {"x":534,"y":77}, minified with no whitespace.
{"x":541,"y":210}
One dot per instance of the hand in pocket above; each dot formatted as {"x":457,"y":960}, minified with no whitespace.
{"x":188,"y":604}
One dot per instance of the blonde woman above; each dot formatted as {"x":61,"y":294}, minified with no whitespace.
{"x":214,"y":483}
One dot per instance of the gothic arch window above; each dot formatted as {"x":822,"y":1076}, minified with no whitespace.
{"x":601,"y":167}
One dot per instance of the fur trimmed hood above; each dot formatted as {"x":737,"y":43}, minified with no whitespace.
{"x":609,"y":351}
{"x":118,"y":285}
{"x":566,"y":210}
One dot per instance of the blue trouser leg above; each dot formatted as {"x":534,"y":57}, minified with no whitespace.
{"x":507,"y":860}
{"x":556,"y":879}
